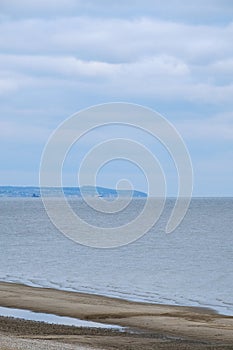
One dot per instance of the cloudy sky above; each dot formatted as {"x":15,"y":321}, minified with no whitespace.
{"x":60,"y":56}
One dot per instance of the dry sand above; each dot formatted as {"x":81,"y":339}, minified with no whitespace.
{"x":157,"y":326}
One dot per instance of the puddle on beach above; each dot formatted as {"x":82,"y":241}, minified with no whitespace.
{"x":54,"y":319}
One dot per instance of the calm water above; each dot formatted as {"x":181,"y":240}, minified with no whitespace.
{"x":54,"y":319}
{"x":192,"y":266}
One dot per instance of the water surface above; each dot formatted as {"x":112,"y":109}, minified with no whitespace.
{"x":192,"y":266}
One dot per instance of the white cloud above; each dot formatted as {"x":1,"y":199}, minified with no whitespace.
{"x":72,"y":67}
{"x":26,"y":133}
{"x":60,"y":55}
{"x":223,"y":68}
{"x":130,"y":56}
{"x":166,"y":77}
{"x":55,"y":65}
{"x":116,"y":40}
{"x":218,"y":128}
{"x":7,"y":86}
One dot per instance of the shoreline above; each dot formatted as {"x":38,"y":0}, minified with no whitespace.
{"x":189,"y":324}
{"x":211,"y":309}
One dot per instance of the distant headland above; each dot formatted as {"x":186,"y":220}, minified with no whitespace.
{"x":92,"y":191}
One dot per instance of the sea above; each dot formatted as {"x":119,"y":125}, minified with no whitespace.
{"x":192,"y":266}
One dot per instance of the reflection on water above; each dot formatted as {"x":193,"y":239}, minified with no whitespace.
{"x":53,"y":319}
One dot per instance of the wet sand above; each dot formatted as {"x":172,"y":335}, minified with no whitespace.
{"x":155,"y":326}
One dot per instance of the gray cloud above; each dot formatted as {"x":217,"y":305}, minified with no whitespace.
{"x":125,"y":56}
{"x":178,"y":10}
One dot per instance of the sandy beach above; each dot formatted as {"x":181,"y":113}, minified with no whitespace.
{"x":149,"y":326}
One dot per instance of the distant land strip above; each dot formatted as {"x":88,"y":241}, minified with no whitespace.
{"x":31,"y":191}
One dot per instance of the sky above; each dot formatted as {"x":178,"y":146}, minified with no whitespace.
{"x":175,"y":57}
